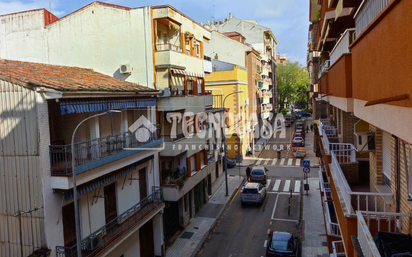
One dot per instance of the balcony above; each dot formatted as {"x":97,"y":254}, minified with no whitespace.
{"x":196,"y":103}
{"x":375,"y":222}
{"x":171,"y":55}
{"x":118,"y":229}
{"x":168,"y":47}
{"x":323,"y":68}
{"x":268,"y":43}
{"x":208,"y":99}
{"x":344,"y":171}
{"x":191,"y":144}
{"x":217,"y":101}
{"x":342,"y":46}
{"x":268,"y":107}
{"x":338,"y":249}
{"x":267,"y":81}
{"x":268,"y":67}
{"x":174,"y":189}
{"x":96,"y":152}
{"x":367,"y":12}
{"x":267,"y":95}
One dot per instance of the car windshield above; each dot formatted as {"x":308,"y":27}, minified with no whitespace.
{"x":282,"y":245}
{"x":249,"y":191}
{"x":258,"y":172}
{"x":297,"y":139}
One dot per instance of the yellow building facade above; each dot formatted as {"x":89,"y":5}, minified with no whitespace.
{"x":226,"y":80}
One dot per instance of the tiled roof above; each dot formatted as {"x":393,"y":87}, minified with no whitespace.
{"x":64,"y":78}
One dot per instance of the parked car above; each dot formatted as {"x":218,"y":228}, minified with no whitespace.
{"x":287,"y":123}
{"x":301,"y":131}
{"x":299,"y":134}
{"x":298,"y":139}
{"x":253,"y":193}
{"x":299,"y":125}
{"x":258,"y":174}
{"x":230,"y":163}
{"x":282,"y":244}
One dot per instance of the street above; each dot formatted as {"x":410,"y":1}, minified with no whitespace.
{"x":242,"y":231}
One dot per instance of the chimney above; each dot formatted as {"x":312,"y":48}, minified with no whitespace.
{"x":230,"y":16}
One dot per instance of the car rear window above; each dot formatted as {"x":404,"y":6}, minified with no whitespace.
{"x":249,"y":191}
{"x":282,"y":245}
{"x":297,"y":144}
{"x":258,"y":172}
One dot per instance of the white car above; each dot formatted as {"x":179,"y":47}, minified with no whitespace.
{"x":299,"y":139}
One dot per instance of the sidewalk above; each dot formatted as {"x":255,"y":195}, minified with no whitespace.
{"x":314,"y":241}
{"x":189,"y":243}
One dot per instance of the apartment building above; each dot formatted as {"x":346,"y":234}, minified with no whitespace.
{"x":119,"y":193}
{"x":231,"y":80}
{"x":231,"y":47}
{"x":260,"y":38}
{"x":158,"y":47}
{"x":364,"y":119}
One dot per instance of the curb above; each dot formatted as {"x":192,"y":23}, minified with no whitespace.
{"x":197,"y":249}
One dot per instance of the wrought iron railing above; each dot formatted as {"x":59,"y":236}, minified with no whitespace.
{"x":108,"y":235}
{"x":168,"y":47}
{"x":95,"y":149}
{"x":367,"y":12}
{"x":217,"y":101}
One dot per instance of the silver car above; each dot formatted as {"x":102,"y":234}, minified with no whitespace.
{"x":253,"y":193}
{"x":258,"y":174}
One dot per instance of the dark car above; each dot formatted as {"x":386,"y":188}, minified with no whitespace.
{"x":282,"y":244}
{"x":258,"y":174}
{"x":230,"y":163}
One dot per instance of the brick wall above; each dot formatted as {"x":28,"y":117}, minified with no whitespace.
{"x":375,"y":160}
{"x":351,"y":172}
{"x":405,"y":205}
{"x":347,"y":128}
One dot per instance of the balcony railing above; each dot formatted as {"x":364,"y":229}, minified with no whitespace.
{"x":365,"y":237}
{"x":367,"y":12}
{"x":217,"y":101}
{"x":324,"y":184}
{"x":168,"y":47}
{"x":323,"y":122}
{"x":267,"y":81}
{"x":342,"y":46}
{"x":175,"y":182}
{"x":94,"y":149}
{"x":354,"y":201}
{"x":326,"y":133}
{"x":170,"y":138}
{"x":267,"y":95}
{"x":110,"y":233}
{"x":323,"y":68}
{"x":338,"y":249}
{"x":268,"y":107}
{"x":268,"y":67}
{"x":333,"y":227}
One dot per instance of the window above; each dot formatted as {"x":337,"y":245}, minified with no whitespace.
{"x":190,"y":87}
{"x":409,"y":165}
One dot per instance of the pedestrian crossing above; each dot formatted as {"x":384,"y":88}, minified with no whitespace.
{"x":285,"y":185}
{"x":278,"y":162}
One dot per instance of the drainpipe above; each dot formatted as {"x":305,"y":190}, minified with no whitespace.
{"x":397,"y":179}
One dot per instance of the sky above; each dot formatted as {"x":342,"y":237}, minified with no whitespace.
{"x":288,"y":19}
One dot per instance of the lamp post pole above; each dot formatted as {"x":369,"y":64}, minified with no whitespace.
{"x":76,"y":207}
{"x":224,"y":140}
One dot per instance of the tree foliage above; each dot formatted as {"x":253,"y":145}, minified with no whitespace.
{"x":292,"y":83}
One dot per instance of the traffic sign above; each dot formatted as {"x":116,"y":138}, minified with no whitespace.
{"x":306,"y":163}
{"x":238,"y":157}
{"x":306,"y":169}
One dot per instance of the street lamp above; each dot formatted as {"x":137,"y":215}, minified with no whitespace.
{"x":76,"y":207}
{"x":224,"y":141}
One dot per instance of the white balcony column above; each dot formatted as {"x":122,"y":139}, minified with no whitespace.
{"x":158,"y":234}
{"x":94,"y":133}
{"x":124,"y":126}
{"x":151,"y":114}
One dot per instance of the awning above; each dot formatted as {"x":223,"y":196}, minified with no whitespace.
{"x":68,"y":195}
{"x":178,"y":72}
{"x":83,"y":106}
{"x":191,"y":78}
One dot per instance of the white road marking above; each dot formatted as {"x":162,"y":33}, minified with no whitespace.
{"x":282,"y":161}
{"x":290,"y":162}
{"x":259,"y":161}
{"x":297,"y":186}
{"x":274,"y":207}
{"x":268,"y":183}
{"x":287,"y":185}
{"x":265,"y":244}
{"x":285,"y":220}
{"x":276,"y":186}
{"x":274,"y":161}
{"x":297,"y":162}
{"x":267,"y":162}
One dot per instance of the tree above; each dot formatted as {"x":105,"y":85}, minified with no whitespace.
{"x":292,"y":82}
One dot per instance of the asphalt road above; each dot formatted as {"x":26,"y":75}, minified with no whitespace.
{"x":242,"y":231}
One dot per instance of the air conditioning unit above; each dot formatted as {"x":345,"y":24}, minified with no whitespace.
{"x":365,"y":142}
{"x":165,"y":92}
{"x":126,"y":68}
{"x":94,"y":242}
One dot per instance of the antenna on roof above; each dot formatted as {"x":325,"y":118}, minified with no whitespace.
{"x":213,"y":17}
